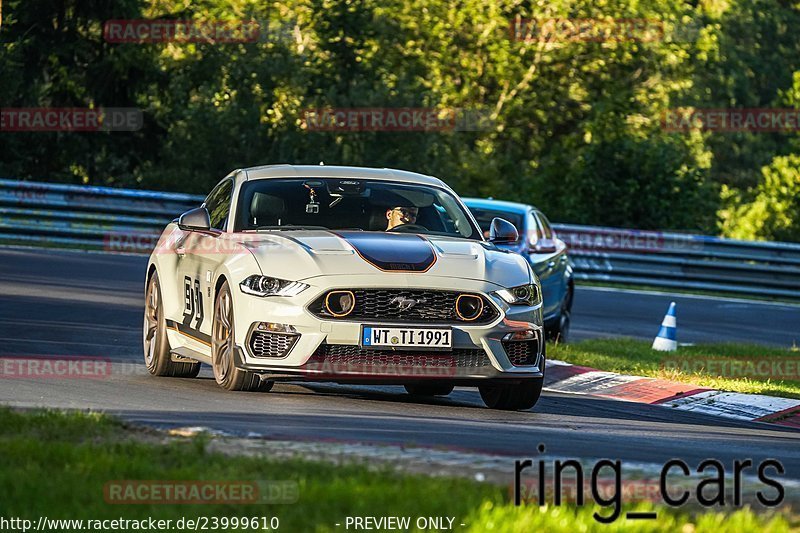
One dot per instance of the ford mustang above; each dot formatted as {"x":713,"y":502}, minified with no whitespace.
{"x":344,"y":274}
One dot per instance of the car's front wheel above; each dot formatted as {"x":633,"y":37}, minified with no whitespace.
{"x":154,"y":338}
{"x":560,"y":331}
{"x":223,"y":345}
{"x":518,"y":397}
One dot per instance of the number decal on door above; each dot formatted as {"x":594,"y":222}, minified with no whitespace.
{"x":193,"y":302}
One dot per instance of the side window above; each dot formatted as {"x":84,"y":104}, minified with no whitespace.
{"x":218,"y":204}
{"x":547,"y":229}
{"x":534,"y":229}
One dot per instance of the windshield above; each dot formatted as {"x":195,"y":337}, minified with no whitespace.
{"x":350,"y":204}
{"x":485,"y":217}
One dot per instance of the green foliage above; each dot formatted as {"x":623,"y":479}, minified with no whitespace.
{"x":632,"y":179}
{"x":774,"y":213}
{"x":575,"y":124}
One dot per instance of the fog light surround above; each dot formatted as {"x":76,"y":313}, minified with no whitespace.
{"x":521,"y":336}
{"x":469,"y":307}
{"x":274,"y":327}
{"x":340,"y":303}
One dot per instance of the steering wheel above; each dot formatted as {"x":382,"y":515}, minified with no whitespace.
{"x":409,"y":228}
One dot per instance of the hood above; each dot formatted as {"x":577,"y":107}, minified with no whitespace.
{"x":300,"y":255}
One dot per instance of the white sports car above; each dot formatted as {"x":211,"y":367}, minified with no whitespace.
{"x":344,"y":274}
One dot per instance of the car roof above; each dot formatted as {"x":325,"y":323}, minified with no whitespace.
{"x":333,"y":171}
{"x":499,"y":205}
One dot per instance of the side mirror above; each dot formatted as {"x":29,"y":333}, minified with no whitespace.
{"x":502,"y":232}
{"x":195,"y":219}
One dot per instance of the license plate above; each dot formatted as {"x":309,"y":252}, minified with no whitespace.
{"x":406,"y":338}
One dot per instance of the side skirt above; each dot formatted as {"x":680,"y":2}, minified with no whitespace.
{"x":184,"y":354}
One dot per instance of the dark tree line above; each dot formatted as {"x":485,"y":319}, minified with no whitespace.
{"x":575,"y":124}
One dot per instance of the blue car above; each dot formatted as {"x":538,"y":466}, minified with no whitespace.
{"x":546,"y":253}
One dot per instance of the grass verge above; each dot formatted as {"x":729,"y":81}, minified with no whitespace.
{"x":752,"y":369}
{"x":56,"y":465}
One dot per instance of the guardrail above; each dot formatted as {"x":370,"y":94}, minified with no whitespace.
{"x":678,"y":260}
{"x":92,"y":218}
{"x":122,"y":220}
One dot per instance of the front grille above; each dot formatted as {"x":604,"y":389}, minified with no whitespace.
{"x":391,"y":305}
{"x":268,"y":344}
{"x":522,"y":353}
{"x":354,"y":358}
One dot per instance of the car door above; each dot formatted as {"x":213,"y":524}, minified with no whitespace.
{"x":549,"y":260}
{"x":201,"y":255}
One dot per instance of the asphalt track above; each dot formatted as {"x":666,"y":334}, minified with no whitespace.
{"x":82,"y":304}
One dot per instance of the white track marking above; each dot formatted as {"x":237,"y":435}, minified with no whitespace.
{"x":594,"y":382}
{"x":733,"y":404}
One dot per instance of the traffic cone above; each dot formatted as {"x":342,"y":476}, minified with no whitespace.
{"x":666,"y":340}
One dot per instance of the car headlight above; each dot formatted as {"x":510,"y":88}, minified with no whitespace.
{"x":267,"y":286}
{"x":527,"y":294}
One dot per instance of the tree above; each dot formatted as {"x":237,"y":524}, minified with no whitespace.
{"x":774,"y":214}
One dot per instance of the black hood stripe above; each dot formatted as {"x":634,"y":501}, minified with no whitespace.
{"x":392,"y":252}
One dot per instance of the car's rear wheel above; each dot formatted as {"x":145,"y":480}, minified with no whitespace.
{"x":223,"y":345}
{"x":429,"y":389}
{"x":157,"y":355}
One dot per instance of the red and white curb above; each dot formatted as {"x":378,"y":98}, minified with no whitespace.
{"x":564,"y":377}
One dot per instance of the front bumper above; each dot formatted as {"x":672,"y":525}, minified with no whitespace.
{"x":329,"y":350}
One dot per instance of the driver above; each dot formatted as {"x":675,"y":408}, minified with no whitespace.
{"x":397,"y":216}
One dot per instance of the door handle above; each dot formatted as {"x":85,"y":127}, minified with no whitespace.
{"x":551,"y":264}
{"x":180,"y":250}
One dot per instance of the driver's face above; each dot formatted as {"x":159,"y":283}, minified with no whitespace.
{"x":401,"y":215}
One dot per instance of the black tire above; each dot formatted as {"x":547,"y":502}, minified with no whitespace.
{"x":226,"y":374}
{"x":429,"y":389}
{"x":560,"y":332}
{"x":518,"y":397}
{"x":154,"y":338}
